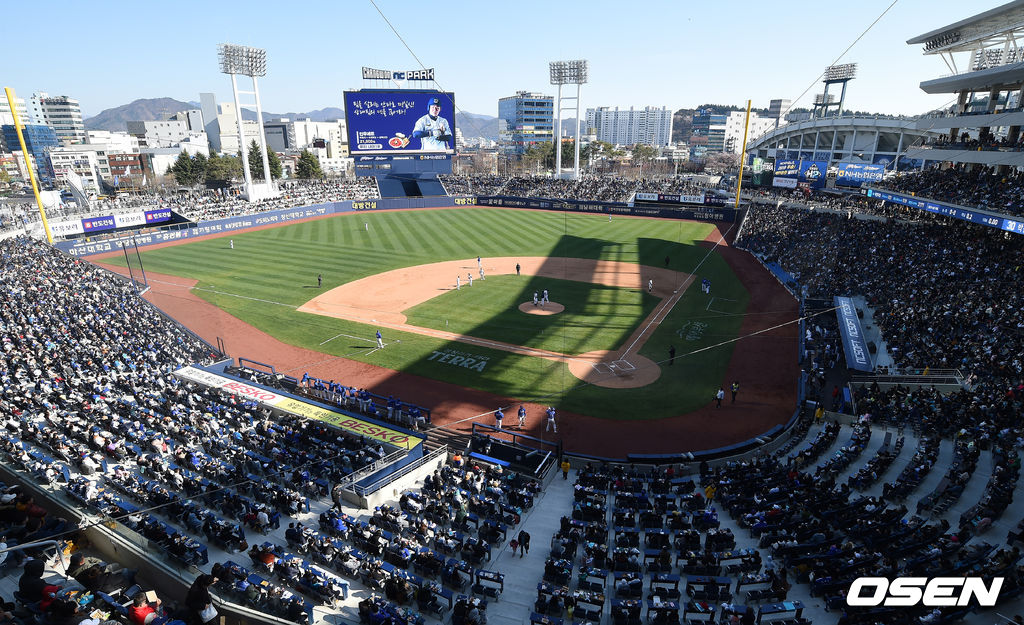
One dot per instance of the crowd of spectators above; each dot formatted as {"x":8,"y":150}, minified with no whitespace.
{"x":978,"y":187}
{"x":942,"y":300}
{"x":473,"y":184}
{"x":91,"y":406}
{"x":985,"y":141}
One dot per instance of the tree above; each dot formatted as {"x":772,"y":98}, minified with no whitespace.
{"x":221,"y":170}
{"x":308,"y":166}
{"x":199,"y":162}
{"x":184,"y":171}
{"x":643,"y":152}
{"x":256,"y":162}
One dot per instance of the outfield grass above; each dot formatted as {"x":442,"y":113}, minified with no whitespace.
{"x":269,"y":273}
{"x":596,"y":317}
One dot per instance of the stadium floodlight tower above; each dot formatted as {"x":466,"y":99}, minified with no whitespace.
{"x":834,"y":74}
{"x":568,"y":73}
{"x":251,"y":62}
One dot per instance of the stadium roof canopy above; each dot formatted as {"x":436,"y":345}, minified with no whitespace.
{"x":978,"y":31}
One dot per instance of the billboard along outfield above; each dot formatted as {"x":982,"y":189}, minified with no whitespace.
{"x":272,"y":272}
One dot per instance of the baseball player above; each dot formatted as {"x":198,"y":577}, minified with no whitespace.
{"x":479,"y":263}
{"x":469,"y":278}
{"x":319,"y":280}
{"x":551,"y":420}
{"x":650,"y":285}
{"x":535,"y":298}
{"x":498,"y":416}
{"x":458,"y":283}
{"x":522,"y":416}
{"x":481,"y":273}
{"x":380,"y":340}
{"x":545,"y":300}
{"x":231,"y":243}
{"x":433,"y":130}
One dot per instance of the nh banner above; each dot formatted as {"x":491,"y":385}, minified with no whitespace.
{"x":854,"y":344}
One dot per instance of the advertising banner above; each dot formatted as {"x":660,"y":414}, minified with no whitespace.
{"x":787,"y":169}
{"x":856,"y":174}
{"x":98,"y":224}
{"x":400,"y":121}
{"x":127,"y":220}
{"x":784,"y":183}
{"x":295,"y":406}
{"x":158,"y":216}
{"x":813,"y":173}
{"x":671,"y":198}
{"x":65,"y":228}
{"x":962,"y":213}
{"x":854,"y":345}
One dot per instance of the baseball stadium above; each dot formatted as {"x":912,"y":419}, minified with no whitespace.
{"x":789,"y":393}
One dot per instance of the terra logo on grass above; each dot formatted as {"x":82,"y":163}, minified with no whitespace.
{"x":934,"y":592}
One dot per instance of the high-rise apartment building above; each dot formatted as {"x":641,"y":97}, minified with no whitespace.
{"x":526,"y":119}
{"x":649,"y":125}
{"x":61,"y":113}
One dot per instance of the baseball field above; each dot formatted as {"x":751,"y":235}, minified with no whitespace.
{"x":604,"y":354}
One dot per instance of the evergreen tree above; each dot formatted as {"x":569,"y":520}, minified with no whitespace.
{"x":308,"y":166}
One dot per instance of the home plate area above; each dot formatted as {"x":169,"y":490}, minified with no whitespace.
{"x":618,"y":367}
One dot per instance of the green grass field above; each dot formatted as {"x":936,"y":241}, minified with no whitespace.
{"x":596,"y":317}
{"x":272,"y":272}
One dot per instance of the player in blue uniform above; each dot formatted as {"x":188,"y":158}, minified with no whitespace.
{"x":433,"y":130}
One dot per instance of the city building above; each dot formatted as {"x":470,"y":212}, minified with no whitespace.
{"x":983,"y":126}
{"x":193,"y":118}
{"x":735,"y":123}
{"x":649,"y":125}
{"x":115,"y":141}
{"x":158,"y":134}
{"x":84,"y":161}
{"x":221,"y":126}
{"x":526,"y":119}
{"x":61,"y":113}
{"x":7,"y":118}
{"x":125,"y":165}
{"x":39,"y":140}
{"x":777,"y":110}
{"x":708,"y":132}
{"x":285,"y":134}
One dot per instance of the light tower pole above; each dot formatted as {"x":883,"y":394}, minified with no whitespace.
{"x":251,"y":62}
{"x":568,"y":73}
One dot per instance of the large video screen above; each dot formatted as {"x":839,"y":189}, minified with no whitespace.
{"x":400,"y":121}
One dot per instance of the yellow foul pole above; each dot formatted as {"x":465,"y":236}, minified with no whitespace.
{"x":743,"y":157}
{"x":28,"y":163}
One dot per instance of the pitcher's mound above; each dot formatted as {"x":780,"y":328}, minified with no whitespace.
{"x":551,"y":308}
{"x":604,"y":368}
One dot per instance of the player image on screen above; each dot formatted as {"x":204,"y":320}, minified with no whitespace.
{"x":433,"y":130}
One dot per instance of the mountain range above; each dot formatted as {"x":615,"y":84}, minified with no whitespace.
{"x":155,"y":109}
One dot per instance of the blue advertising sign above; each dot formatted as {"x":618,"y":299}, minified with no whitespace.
{"x":400,"y":121}
{"x":787,"y":169}
{"x":962,"y":213}
{"x":813,"y":173}
{"x":855,"y":174}
{"x":98,"y":224}
{"x":157,"y":216}
{"x":854,"y":345}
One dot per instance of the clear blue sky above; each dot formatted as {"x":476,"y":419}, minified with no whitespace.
{"x":671,"y":53}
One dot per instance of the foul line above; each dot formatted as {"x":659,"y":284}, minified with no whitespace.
{"x":349,"y":336}
{"x":667,"y":306}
